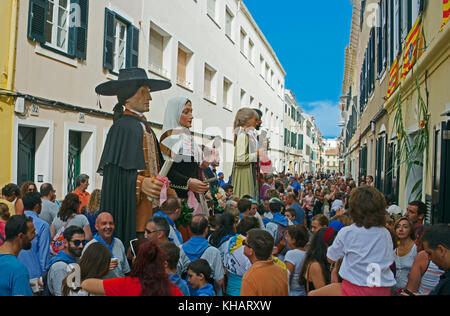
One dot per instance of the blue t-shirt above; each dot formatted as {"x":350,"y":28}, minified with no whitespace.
{"x":295,"y":186}
{"x":299,"y":213}
{"x":14,"y":277}
{"x":180,"y":283}
{"x":207,"y":290}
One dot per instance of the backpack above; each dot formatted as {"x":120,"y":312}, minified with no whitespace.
{"x":57,"y":243}
{"x":183,"y":273}
{"x":46,"y":291}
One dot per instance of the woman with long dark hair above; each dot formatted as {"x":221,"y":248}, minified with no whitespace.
{"x":148,"y":277}
{"x":68,"y":216}
{"x":94,"y":263}
{"x":226,"y":230}
{"x":27,"y":187}
{"x":315,"y":272}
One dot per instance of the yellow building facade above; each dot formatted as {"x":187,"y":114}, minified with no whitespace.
{"x":402,"y":140}
{"x":8,"y":19}
{"x":429,"y":79}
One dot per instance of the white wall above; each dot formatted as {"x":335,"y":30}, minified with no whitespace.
{"x":50,"y":75}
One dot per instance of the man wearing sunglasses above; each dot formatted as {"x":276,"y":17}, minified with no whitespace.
{"x":265,"y":277}
{"x":157,"y":230}
{"x":74,"y":242}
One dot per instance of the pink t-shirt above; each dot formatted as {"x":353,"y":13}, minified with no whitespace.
{"x":2,"y":231}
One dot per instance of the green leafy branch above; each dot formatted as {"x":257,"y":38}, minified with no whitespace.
{"x":185,"y":216}
{"x":409,"y":152}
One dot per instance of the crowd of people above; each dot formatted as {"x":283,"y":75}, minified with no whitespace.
{"x":306,"y":235}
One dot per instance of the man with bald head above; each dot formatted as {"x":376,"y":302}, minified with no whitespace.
{"x":105,"y":226}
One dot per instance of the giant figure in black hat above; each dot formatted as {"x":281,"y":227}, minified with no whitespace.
{"x":131,"y":158}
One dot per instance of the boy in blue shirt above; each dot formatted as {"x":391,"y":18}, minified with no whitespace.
{"x":173,"y":256}
{"x":199,"y":273}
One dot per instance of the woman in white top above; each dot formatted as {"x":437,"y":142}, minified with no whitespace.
{"x":405,"y":253}
{"x":68,"y":216}
{"x":297,"y":237}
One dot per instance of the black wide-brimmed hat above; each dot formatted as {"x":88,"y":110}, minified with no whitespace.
{"x":131,"y":77}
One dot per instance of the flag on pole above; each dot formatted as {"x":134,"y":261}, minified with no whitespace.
{"x":411,"y":48}
{"x":446,"y":13}
{"x":393,"y":79}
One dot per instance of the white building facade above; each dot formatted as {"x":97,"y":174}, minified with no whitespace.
{"x":212,"y":51}
{"x":293,"y":135}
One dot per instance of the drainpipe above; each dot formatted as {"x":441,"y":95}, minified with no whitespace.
{"x":12,"y":45}
{"x":11,"y":74}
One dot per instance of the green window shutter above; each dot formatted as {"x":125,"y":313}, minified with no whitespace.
{"x":285,"y":137}
{"x":385,"y":32}
{"x":37,"y":18}
{"x":372,"y":61}
{"x":391,"y":32}
{"x":132,"y":47}
{"x":363,"y":7}
{"x":301,"y":142}
{"x":72,"y":28}
{"x":108,"y":47}
{"x":380,"y":42}
{"x":81,"y":30}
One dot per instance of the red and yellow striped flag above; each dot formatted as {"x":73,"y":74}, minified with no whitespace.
{"x":446,"y":13}
{"x":411,"y":48}
{"x":393,"y":79}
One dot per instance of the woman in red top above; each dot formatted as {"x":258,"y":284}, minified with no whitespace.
{"x":147,"y":278}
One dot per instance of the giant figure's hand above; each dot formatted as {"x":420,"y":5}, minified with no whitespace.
{"x":152,"y":187}
{"x":198,"y":186}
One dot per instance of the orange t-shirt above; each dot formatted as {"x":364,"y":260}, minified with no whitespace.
{"x":84,"y":198}
{"x":265,"y":278}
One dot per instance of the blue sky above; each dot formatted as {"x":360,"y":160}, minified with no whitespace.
{"x":309,"y":38}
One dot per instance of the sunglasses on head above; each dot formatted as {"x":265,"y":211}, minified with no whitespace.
{"x":245,"y":243}
{"x":152,"y":231}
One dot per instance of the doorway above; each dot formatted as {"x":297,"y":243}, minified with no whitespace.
{"x":441,"y":174}
{"x":74,"y":162}
{"x":26,"y":154}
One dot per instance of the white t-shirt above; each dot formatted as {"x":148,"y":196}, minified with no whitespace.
{"x":78,"y":220}
{"x":367,"y":255}
{"x":235,"y":261}
{"x":296,"y":257}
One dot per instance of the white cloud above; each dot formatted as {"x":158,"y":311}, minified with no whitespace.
{"x":326,"y":115}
